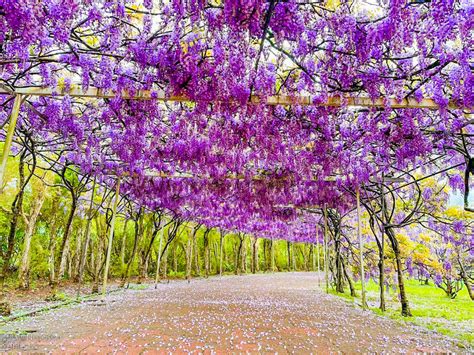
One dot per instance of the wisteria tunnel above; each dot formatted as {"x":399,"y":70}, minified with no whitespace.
{"x":237,"y":176}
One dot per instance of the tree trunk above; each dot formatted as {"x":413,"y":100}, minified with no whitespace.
{"x":206,"y":252}
{"x":123,"y":244}
{"x":83,"y":257}
{"x":97,"y":262}
{"x":146,"y":256}
{"x":269,"y":255}
{"x":306,"y":256}
{"x":64,"y":248}
{"x":244,"y":255}
{"x":237,"y":263}
{"x":339,"y":273}
{"x":165,"y":265}
{"x":142,"y":267}
{"x":272,"y":255}
{"x":265,"y":260}
{"x":401,"y":285}
{"x":93,"y":267}
{"x":196,"y":255}
{"x":77,"y":253}
{"x":293,"y":256}
{"x":64,"y":261}
{"x":30,"y":223}
{"x":217,"y":257}
{"x":52,"y":251}
{"x":349,"y":281}
{"x":85,"y":246}
{"x":221,"y":253}
{"x":69,"y":260}
{"x":288,"y":252}
{"x":381,"y":265}
{"x":138,"y":230}
{"x":254,"y":255}
{"x":99,"y":257}
{"x":189,"y":259}
{"x":465,"y":279}
{"x":175,"y":257}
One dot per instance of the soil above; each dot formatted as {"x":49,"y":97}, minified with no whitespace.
{"x":281,"y":312}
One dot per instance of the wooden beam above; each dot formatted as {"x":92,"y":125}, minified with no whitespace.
{"x":325,"y":246}
{"x":361,"y":249}
{"x":160,"y":95}
{"x":111,"y":236}
{"x":163,"y":175}
{"x":318,"y":260}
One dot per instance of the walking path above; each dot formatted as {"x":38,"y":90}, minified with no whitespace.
{"x":282,"y":312}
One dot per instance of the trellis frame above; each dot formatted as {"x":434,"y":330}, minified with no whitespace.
{"x":160,"y":95}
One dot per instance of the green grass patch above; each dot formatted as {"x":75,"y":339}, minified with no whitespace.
{"x":58,"y":296}
{"x":137,"y":287}
{"x":176,"y":275}
{"x":430,"y":306}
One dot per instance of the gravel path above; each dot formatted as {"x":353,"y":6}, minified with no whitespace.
{"x":282,"y":313}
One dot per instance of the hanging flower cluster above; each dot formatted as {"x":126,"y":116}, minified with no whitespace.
{"x":223,"y":156}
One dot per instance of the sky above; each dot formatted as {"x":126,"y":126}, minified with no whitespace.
{"x":456,"y":198}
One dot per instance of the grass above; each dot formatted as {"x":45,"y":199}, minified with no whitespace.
{"x":430,"y":306}
{"x":137,"y":286}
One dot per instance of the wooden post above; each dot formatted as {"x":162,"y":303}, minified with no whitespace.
{"x":221,"y":253}
{"x":9,"y":138}
{"x":111,"y":236}
{"x":83,"y":255}
{"x":325,"y":248}
{"x":361,"y":247}
{"x":158,"y":260}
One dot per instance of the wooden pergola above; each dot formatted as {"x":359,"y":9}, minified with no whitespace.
{"x":159,"y":95}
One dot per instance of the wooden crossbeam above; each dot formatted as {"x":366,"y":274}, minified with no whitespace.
{"x":160,"y":95}
{"x":164,"y":175}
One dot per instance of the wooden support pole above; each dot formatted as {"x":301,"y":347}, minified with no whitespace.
{"x":158,"y":257}
{"x":318,"y":261}
{"x":9,"y":138}
{"x":111,"y":236}
{"x":325,"y":247}
{"x":361,"y":248}
{"x":85,"y":247}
